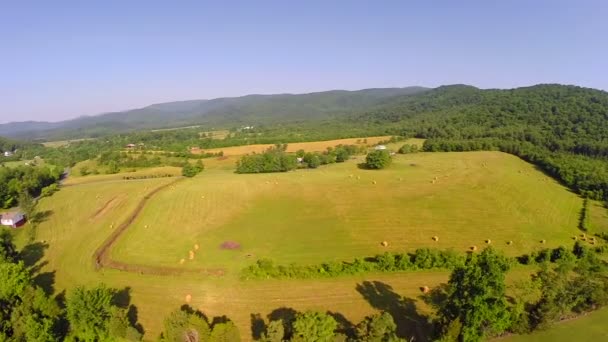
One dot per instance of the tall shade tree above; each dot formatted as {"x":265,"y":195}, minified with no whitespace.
{"x":476,"y":297}
{"x":313,"y":326}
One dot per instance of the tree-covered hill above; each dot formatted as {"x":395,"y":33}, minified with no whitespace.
{"x":228,"y":112}
{"x":563,"y":129}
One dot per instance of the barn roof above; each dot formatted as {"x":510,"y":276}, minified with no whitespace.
{"x":11,"y":215}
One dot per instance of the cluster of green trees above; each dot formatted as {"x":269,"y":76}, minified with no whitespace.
{"x":27,"y":313}
{"x":24,"y":179}
{"x":190,"y":170}
{"x":408,"y":148}
{"x":338,"y":154}
{"x":283,"y":324}
{"x":424,"y":258}
{"x":474,"y":306}
{"x":275,"y":159}
{"x":378,"y":159}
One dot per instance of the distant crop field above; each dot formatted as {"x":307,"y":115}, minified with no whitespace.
{"x":314,"y":146}
{"x":60,"y":143}
{"x":335,"y":212}
{"x":75,"y":178}
{"x":219,"y":134}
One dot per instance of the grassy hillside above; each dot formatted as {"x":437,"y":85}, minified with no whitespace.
{"x":318,"y":215}
{"x":337,"y":212}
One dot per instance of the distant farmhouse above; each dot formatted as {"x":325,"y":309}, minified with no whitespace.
{"x":8,"y":153}
{"x":13,"y":219}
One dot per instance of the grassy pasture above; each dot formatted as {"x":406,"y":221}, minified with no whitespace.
{"x":591,"y":327}
{"x":310,"y":216}
{"x":303,"y":216}
{"x":313,"y":146}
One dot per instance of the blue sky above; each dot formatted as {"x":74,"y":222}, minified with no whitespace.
{"x":61,"y":59}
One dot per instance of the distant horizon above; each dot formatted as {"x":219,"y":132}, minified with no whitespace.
{"x":278,"y":93}
{"x":66,"y":59}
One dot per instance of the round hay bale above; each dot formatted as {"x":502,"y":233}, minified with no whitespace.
{"x":574,"y":237}
{"x":425,"y":289}
{"x":146,"y":226}
{"x":182,"y":261}
{"x":509,"y":242}
{"x":543,"y":241}
{"x":373,"y":182}
{"x":592,"y":242}
{"x":400,"y":179}
{"x":384,"y":243}
{"x":488,"y":241}
{"x":190,"y":255}
{"x":276,"y":183}
{"x":202,"y":196}
{"x":473,"y":248}
{"x":583,"y":239}
{"x":196,"y":246}
{"x":433,"y":182}
{"x":358,"y":177}
{"x":188,"y":298}
{"x":435,"y":238}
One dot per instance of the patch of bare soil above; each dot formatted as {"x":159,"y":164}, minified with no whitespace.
{"x":230,"y":245}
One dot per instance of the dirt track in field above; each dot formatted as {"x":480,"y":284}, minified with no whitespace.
{"x":102,"y":258}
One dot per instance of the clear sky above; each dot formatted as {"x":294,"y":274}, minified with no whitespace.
{"x":61,"y":59}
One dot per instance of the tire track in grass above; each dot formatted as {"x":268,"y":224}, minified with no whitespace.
{"x":102,"y":259}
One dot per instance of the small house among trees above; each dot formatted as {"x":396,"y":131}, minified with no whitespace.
{"x":13,"y":219}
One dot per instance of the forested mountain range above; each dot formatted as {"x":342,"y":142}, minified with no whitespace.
{"x":234,"y":111}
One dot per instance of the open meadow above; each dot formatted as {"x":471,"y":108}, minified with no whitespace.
{"x":335,"y":212}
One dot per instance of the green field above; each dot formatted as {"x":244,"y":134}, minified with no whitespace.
{"x":591,"y":327}
{"x":335,"y":212}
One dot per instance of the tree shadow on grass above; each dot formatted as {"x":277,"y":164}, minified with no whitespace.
{"x":46,"y":281}
{"x":32,"y":253}
{"x":287,"y":315}
{"x":258,"y":326}
{"x":345,"y":326}
{"x":41,"y":216}
{"x":122,"y":299}
{"x":410,"y":324}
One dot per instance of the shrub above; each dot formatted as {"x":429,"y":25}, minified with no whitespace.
{"x":378,"y":159}
{"x":407,"y":148}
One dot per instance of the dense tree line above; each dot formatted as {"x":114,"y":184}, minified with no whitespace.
{"x":24,"y":179}
{"x":423,"y":258}
{"x":190,"y":170}
{"x":275,"y":159}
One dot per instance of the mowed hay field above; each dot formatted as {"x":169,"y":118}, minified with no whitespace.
{"x":336,"y":212}
{"x":313,"y":146}
{"x":303,"y":216}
